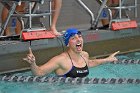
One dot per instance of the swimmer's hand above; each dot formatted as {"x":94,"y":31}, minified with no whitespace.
{"x":30,"y":58}
{"x":112,"y":57}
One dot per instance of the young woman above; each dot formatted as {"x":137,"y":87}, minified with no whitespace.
{"x":74,"y":62}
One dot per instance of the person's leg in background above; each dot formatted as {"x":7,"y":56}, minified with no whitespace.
{"x":105,"y":22}
{"x":56,"y":5}
{"x":19,"y":9}
{"x":3,"y":18}
{"x":4,"y":14}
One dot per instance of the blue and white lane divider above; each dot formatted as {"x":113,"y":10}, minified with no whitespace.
{"x":127,"y":61}
{"x":69,"y":80}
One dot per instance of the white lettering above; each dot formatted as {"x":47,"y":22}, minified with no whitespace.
{"x":82,"y":71}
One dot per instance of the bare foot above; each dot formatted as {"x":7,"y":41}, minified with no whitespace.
{"x":55,"y":32}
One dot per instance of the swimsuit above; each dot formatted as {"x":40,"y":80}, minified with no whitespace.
{"x":76,"y":71}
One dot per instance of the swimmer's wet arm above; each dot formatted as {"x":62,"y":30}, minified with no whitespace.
{"x":45,"y":69}
{"x":30,"y":58}
{"x":96,"y":62}
{"x":36,"y":70}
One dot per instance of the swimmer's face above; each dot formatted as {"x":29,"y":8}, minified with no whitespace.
{"x":76,"y":42}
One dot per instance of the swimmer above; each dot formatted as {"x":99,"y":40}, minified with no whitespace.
{"x":74,"y":62}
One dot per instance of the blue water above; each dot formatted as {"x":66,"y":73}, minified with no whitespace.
{"x":106,"y":70}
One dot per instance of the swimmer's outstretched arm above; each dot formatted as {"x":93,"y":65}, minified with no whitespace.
{"x":47,"y":68}
{"x":96,"y":62}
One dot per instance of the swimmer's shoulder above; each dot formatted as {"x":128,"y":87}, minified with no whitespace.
{"x":84,"y":53}
{"x":61,"y":57}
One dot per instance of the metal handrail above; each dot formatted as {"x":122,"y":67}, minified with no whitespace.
{"x":94,"y":21}
{"x":30,"y":13}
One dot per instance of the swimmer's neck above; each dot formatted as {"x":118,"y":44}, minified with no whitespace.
{"x":74,"y":54}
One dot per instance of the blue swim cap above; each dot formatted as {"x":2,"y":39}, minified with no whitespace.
{"x":69,"y":33}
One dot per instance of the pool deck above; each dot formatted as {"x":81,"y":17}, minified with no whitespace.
{"x":96,"y":43}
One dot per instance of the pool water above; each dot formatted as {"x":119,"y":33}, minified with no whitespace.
{"x":103,"y":71}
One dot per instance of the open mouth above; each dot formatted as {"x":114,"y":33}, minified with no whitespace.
{"x":79,"y":46}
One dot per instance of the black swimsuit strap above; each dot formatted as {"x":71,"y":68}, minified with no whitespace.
{"x":84,"y":59}
{"x":70,"y":58}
